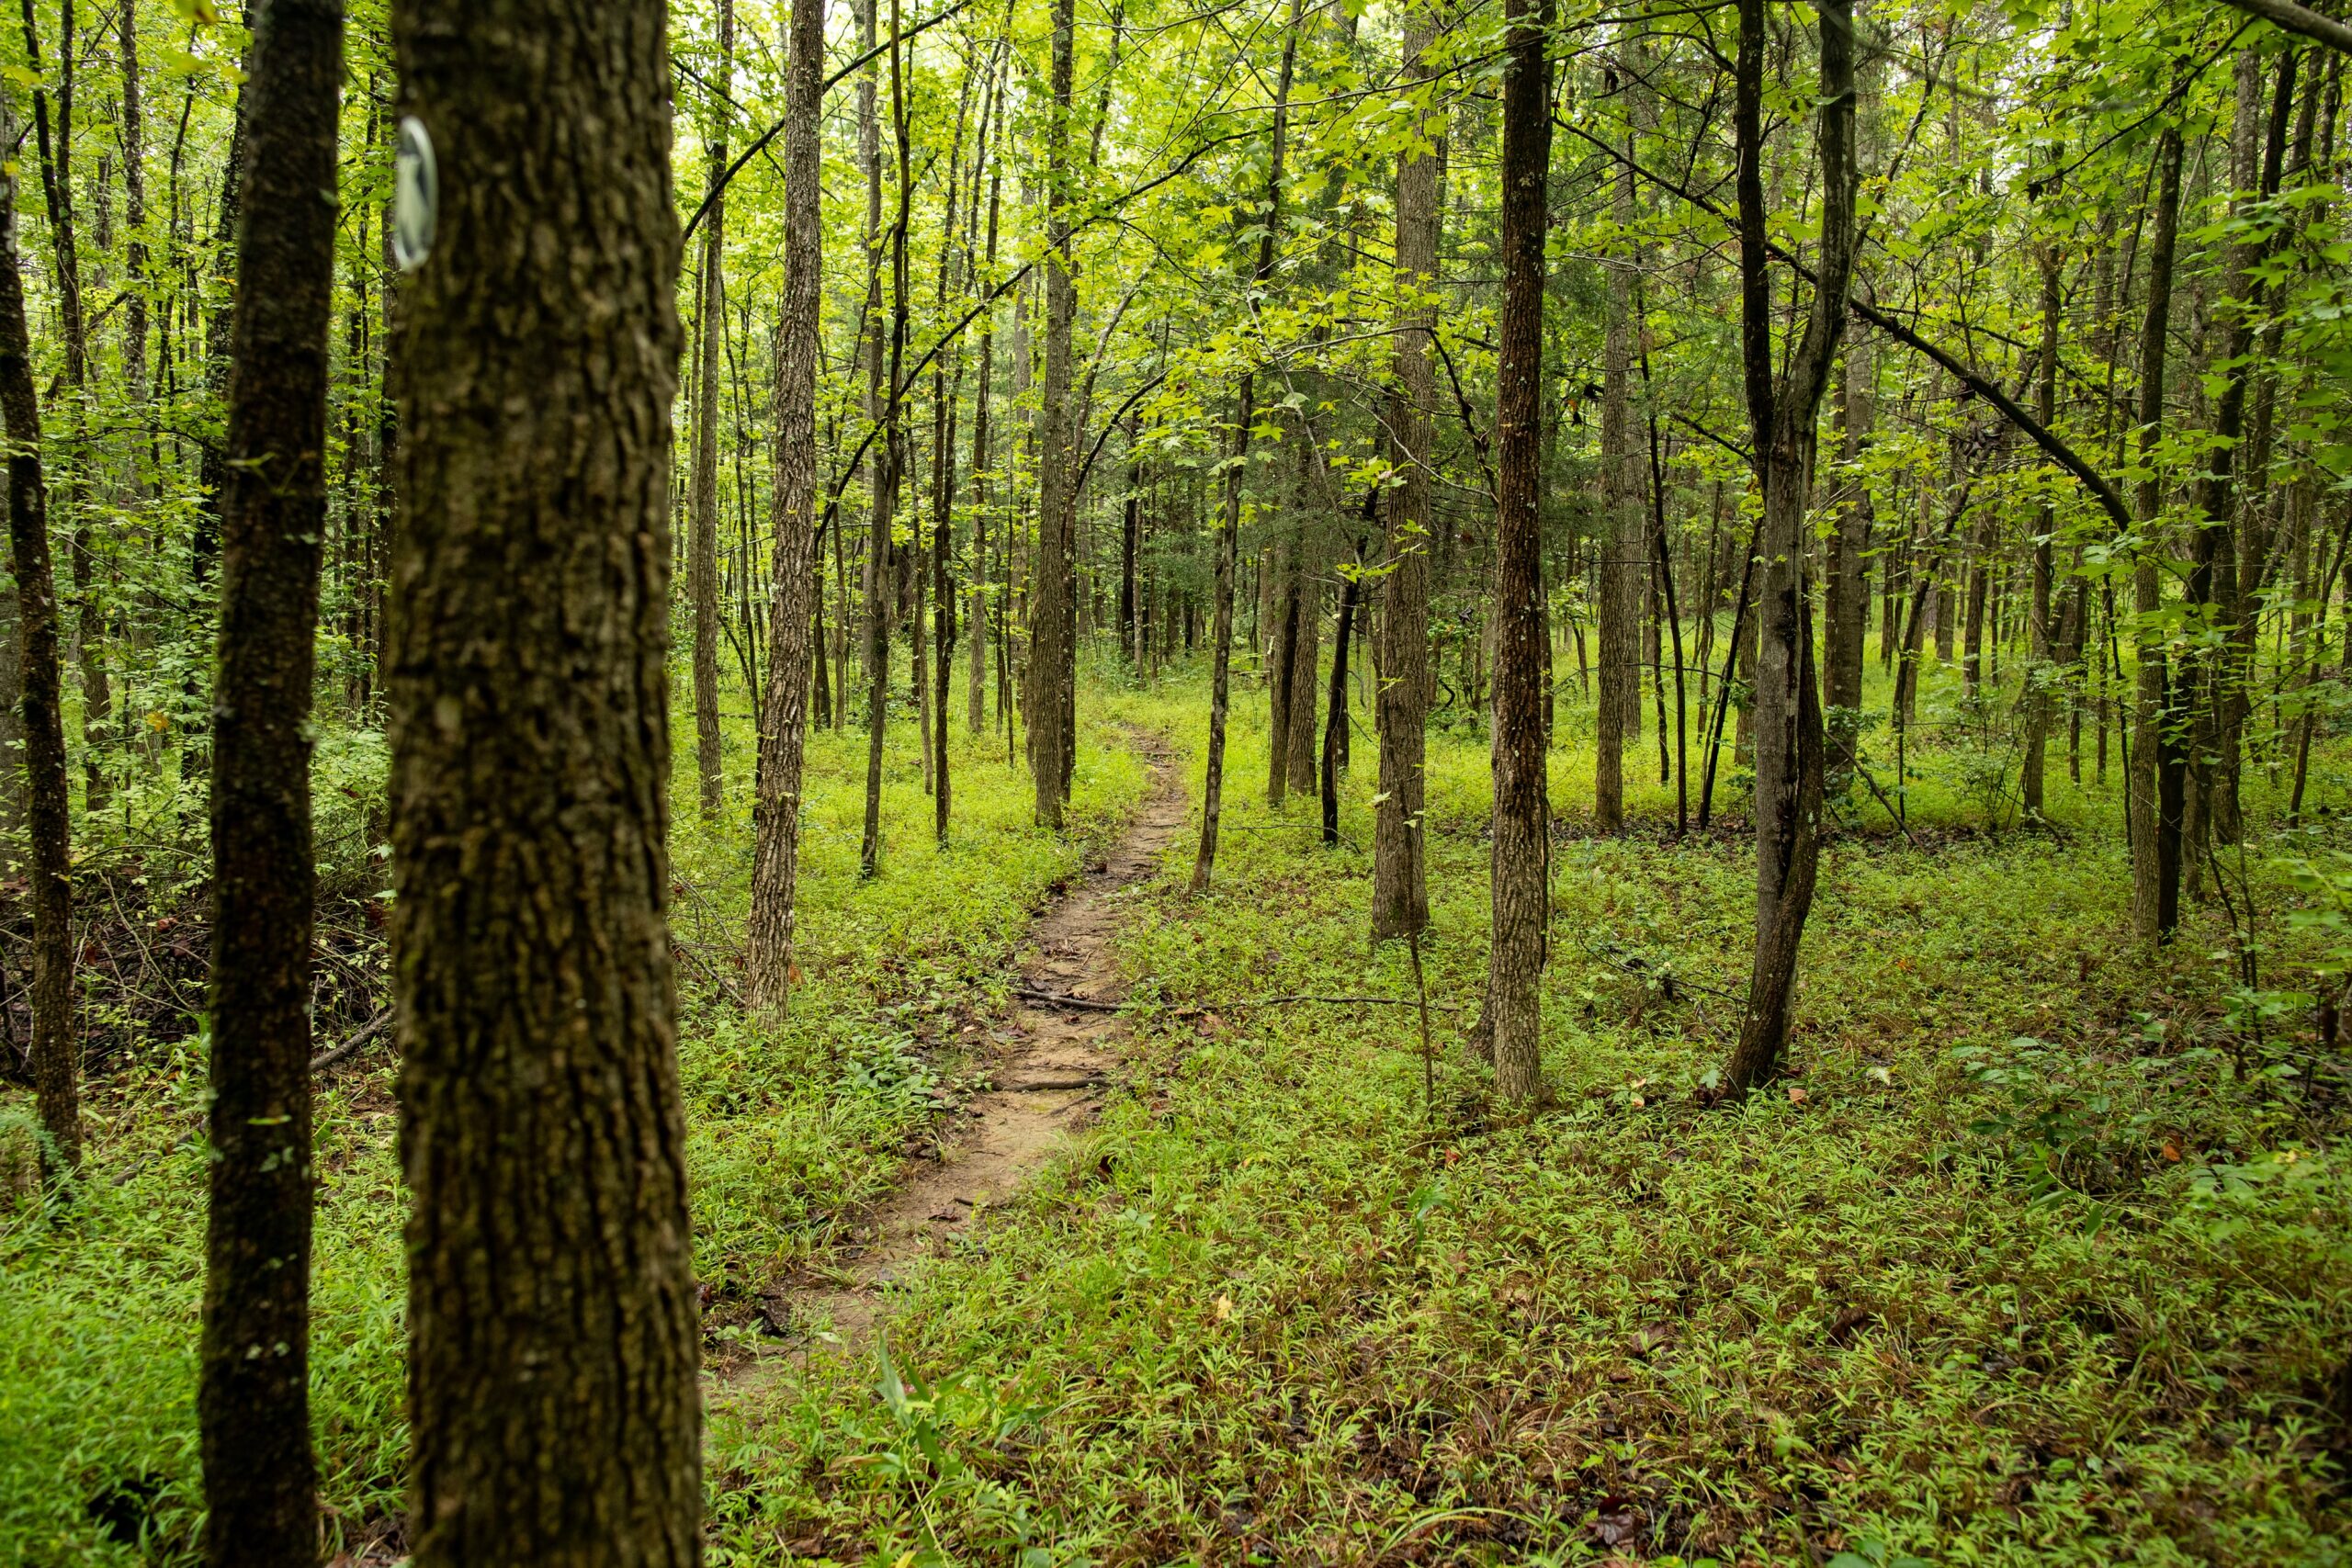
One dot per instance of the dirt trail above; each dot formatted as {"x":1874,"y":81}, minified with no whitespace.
{"x":1048,"y":1083}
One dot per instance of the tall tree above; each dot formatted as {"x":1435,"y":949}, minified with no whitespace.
{"x":1053,"y":615}
{"x":1400,"y":899}
{"x":2154,"y":777}
{"x":1623,"y":566}
{"x":56,"y":1055}
{"x":1521,"y":854}
{"x":253,"y":1399}
{"x":1782,"y":412}
{"x":553,"y":1339}
{"x":710,"y":326}
{"x":783,"y":715}
{"x":58,"y":184}
{"x":1237,"y":467}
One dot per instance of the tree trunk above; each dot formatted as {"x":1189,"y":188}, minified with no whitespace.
{"x":882,"y":564}
{"x":1846,"y":596}
{"x":253,"y":1397}
{"x":1278,"y":577}
{"x":1522,"y":852}
{"x":1131,"y":543}
{"x":975,"y":700}
{"x":1620,"y":549}
{"x":776,"y":812}
{"x":553,"y":1339}
{"x":702,"y":553}
{"x":2041,"y":673}
{"x":1053,"y":638}
{"x":1782,"y":412}
{"x":1305,"y":653}
{"x":1335,"y":728}
{"x":56,"y":160}
{"x":1400,"y":901}
{"x":56,"y":1055}
{"x":2153,"y":826}
{"x":1229,"y":531}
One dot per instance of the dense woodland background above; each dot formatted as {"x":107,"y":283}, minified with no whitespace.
{"x":1794,"y":560}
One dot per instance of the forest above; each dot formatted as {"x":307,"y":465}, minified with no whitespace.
{"x":1212,"y":781}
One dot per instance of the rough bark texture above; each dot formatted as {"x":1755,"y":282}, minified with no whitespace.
{"x":1053,"y":623}
{"x":553,"y":1339}
{"x":776,"y":812}
{"x":55,"y":1055}
{"x":2154,"y":832}
{"x":1400,"y":900}
{"x":1782,"y":414}
{"x":702,"y":551}
{"x":253,"y":1399}
{"x":1521,"y":846}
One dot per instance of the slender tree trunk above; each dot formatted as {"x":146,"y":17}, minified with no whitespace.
{"x":1846,"y":602}
{"x":1305,"y":653}
{"x":2152,"y":794}
{"x":2043,"y":673}
{"x":1335,"y":728}
{"x":56,"y":1055}
{"x":1229,"y":532}
{"x":1782,"y":412}
{"x":553,"y":1337}
{"x":1053,"y":625}
{"x":1400,"y":902}
{"x":253,"y":1398}
{"x":881,"y":561}
{"x":1522,"y":855}
{"x":1130,"y":543}
{"x":702,"y":554}
{"x":776,"y":812}
{"x":1621,"y":555}
{"x":976,"y":699}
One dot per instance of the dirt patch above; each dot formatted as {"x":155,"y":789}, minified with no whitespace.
{"x":1048,"y":1084}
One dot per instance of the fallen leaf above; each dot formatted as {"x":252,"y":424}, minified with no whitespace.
{"x":1225,"y":1309}
{"x":1796,"y":1095}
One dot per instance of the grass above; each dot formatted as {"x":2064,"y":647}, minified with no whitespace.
{"x":787,"y":1130}
{"x":2040,"y":1256}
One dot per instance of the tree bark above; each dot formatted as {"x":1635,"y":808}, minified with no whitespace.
{"x":776,"y":812}
{"x":253,"y":1397}
{"x":56,"y":1055}
{"x":2041,"y":674}
{"x":1053,"y":622}
{"x":702,"y":552}
{"x":553,"y":1339}
{"x":2153,"y":793}
{"x":1846,"y":601}
{"x":1622,"y":548}
{"x":1782,"y":413}
{"x":1237,"y":466}
{"x":1521,"y":850}
{"x":1400,"y":899}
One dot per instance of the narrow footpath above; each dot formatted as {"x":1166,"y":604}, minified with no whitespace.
{"x":1048,"y":1082}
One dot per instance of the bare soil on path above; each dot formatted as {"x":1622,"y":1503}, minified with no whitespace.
{"x":1047,"y":1083}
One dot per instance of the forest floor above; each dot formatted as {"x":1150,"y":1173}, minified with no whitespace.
{"x":1047,"y":1069}
{"x":2042,"y":1253}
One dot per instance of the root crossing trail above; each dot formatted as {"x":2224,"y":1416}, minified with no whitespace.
{"x":1048,"y":1083}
